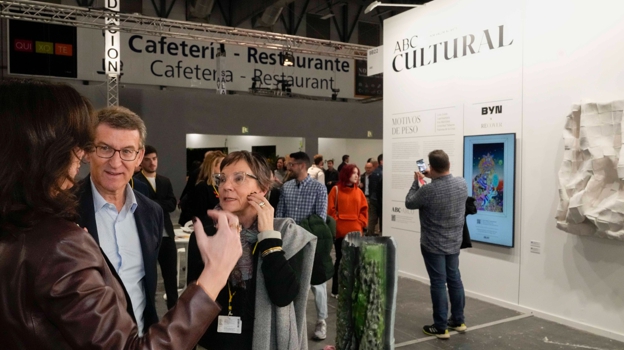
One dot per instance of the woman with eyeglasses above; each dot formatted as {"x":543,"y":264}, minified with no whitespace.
{"x":264,"y":301}
{"x":57,"y":291}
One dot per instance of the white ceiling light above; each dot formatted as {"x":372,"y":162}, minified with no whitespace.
{"x":375,"y":4}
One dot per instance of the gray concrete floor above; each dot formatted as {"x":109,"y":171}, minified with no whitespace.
{"x":489,"y":326}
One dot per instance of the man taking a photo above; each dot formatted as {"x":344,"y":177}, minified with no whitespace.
{"x":441,"y":206}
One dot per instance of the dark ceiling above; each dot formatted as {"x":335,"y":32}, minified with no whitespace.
{"x":283,"y":16}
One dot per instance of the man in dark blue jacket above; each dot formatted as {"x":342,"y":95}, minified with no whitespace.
{"x":126,"y":225}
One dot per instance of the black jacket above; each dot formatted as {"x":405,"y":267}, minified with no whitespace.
{"x":163,"y":196}
{"x":149,"y":222}
{"x":471,"y":209}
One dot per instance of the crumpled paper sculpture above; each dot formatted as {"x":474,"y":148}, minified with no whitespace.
{"x":591,"y":177}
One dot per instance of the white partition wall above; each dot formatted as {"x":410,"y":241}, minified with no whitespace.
{"x":519,"y":66}
{"x":359,"y":150}
{"x":283,"y":145}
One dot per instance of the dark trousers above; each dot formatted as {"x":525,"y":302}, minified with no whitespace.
{"x":443,"y":272}
{"x":338,"y":248}
{"x":167,"y":258}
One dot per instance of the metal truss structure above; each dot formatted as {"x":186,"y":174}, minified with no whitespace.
{"x":137,"y":24}
{"x":112,"y":90}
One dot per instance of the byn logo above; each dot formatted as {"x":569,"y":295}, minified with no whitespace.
{"x":492,"y":110}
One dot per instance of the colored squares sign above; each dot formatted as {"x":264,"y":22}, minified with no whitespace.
{"x":63,"y":49}
{"x":21,"y":45}
{"x":44,"y":47}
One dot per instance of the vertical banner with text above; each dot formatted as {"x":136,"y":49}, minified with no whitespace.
{"x":112,"y":39}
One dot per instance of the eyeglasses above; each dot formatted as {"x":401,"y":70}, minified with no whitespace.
{"x":107,"y":152}
{"x":238,"y":178}
{"x":294,"y":163}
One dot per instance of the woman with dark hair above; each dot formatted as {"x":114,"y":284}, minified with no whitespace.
{"x":347,"y":204}
{"x":58,"y":289}
{"x":266,"y":294}
{"x":205,"y":195}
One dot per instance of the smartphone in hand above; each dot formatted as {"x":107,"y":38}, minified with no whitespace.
{"x":422,"y":168}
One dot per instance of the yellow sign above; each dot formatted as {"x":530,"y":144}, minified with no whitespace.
{"x":245,"y":130}
{"x":44,"y":47}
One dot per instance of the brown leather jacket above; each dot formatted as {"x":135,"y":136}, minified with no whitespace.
{"x":57,"y":292}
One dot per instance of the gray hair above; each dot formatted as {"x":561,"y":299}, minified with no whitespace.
{"x":118,"y":117}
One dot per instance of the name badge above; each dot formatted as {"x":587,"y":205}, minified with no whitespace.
{"x":229,"y":324}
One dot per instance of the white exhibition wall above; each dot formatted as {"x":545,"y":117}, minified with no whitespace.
{"x":563,"y":52}
{"x":283,"y":145}
{"x":359,"y":150}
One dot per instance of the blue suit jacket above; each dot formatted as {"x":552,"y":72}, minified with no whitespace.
{"x":149,"y":221}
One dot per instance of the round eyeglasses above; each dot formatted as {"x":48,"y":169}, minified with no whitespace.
{"x":107,"y":152}
{"x":238,"y":178}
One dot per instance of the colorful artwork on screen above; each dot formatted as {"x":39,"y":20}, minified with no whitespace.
{"x":488,"y":180}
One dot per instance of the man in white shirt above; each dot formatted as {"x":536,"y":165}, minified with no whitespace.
{"x":127,"y":225}
{"x":316,"y":171}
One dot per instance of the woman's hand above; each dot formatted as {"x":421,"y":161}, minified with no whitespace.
{"x":219,"y":252}
{"x":264,"y":209}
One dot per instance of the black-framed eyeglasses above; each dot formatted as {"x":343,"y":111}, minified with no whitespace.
{"x":238,"y":178}
{"x":107,"y":152}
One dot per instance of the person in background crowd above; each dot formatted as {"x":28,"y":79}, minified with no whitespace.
{"x":365,"y":186}
{"x":160,"y":191}
{"x":345,"y":161}
{"x":289,"y":174}
{"x":347,"y":205}
{"x":316,"y":171}
{"x":63,"y":292}
{"x":280,"y":172}
{"x":205,"y":195}
{"x":184,"y":202}
{"x":300,"y":199}
{"x":375,"y":191}
{"x":331,"y":175}
{"x":375,"y":164}
{"x":266,"y":293}
{"x":273,"y":196}
{"x":441,"y":207}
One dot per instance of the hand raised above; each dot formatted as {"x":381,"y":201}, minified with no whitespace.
{"x":219,"y":252}
{"x":264,"y":209}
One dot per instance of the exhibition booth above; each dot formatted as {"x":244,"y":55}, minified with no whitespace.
{"x":492,"y":83}
{"x":510,"y":89}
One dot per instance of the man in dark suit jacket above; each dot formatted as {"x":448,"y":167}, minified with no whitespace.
{"x":161,"y":191}
{"x":127,"y":225}
{"x":345,"y":161}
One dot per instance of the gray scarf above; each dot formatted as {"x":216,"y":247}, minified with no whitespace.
{"x":244,"y":269}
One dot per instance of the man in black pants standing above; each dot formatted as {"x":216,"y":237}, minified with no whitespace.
{"x":161,"y":191}
{"x":441,"y":207}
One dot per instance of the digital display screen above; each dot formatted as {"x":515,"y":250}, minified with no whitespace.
{"x":489,"y":171}
{"x":42,"y":49}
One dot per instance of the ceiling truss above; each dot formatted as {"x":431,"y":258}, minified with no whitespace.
{"x":138,"y":24}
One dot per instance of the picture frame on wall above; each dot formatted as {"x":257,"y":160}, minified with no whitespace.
{"x":489,"y":171}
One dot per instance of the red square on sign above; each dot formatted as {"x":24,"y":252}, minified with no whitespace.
{"x":21,"y":45}
{"x":63,"y":49}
